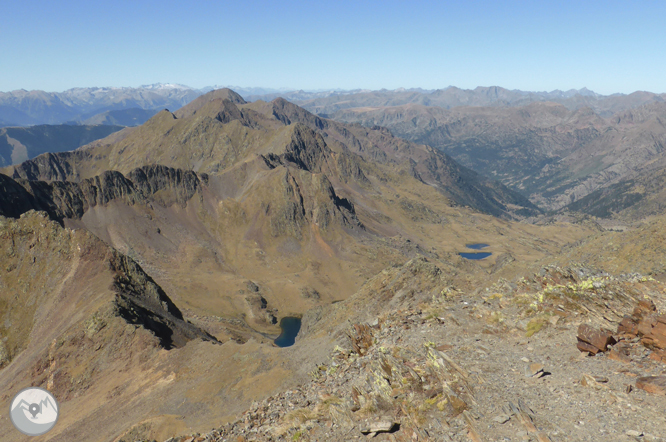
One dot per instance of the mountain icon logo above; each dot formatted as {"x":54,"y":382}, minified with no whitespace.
{"x":34,"y":411}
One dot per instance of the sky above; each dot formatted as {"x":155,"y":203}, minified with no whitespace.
{"x":607,"y":46}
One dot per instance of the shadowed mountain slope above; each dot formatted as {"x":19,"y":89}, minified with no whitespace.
{"x":18,"y":144}
{"x":628,"y":200}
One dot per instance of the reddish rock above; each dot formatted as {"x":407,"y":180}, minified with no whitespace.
{"x":628,"y":326}
{"x":658,"y":355}
{"x":645,"y":326}
{"x":585,"y":347}
{"x":592,"y":340}
{"x":652,"y":384}
{"x":659,"y":328}
{"x":652,"y":329}
{"x":658,"y":335}
{"x":620,"y":352}
{"x":654,"y":342}
{"x":644,"y":307}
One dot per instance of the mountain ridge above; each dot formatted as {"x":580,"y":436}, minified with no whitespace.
{"x":223,"y":125}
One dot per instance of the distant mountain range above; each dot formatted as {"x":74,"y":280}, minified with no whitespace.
{"x":452,"y":97}
{"x":103,"y":105}
{"x":23,"y":108}
{"x":77,"y":105}
{"x":508,"y":95}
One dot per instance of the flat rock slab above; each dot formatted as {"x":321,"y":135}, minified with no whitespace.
{"x":502,"y":418}
{"x":378,"y":426}
{"x":652,"y":384}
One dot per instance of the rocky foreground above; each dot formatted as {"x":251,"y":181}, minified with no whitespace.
{"x":567,"y":355}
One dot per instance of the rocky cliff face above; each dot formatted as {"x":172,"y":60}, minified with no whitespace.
{"x":14,"y":198}
{"x":65,"y":199}
{"x":433,"y":168}
{"x":304,"y":200}
{"x":48,"y":167}
{"x":140,"y":301}
{"x":166,"y":185}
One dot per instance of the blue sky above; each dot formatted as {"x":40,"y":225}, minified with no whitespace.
{"x":607,"y":46}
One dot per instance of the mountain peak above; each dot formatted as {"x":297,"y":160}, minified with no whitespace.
{"x":218,"y":94}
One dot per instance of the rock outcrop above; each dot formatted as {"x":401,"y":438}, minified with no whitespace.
{"x":65,"y":199}
{"x":141,"y":301}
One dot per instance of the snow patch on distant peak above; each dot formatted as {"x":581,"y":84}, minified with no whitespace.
{"x":156,"y":86}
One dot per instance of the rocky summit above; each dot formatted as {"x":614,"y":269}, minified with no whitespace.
{"x":145,"y":277}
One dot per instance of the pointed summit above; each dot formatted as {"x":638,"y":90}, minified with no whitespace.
{"x":288,"y":113}
{"x":218,"y":94}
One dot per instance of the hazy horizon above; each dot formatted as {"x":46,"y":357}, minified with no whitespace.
{"x":334,"y":89}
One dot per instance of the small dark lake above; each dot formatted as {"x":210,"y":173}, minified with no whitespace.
{"x":478,"y":246}
{"x":290,"y":326}
{"x":477,"y":255}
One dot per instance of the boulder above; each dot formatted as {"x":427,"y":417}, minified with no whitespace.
{"x":654,"y":331}
{"x":592,"y":340}
{"x":628,"y":326}
{"x":382,"y":425}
